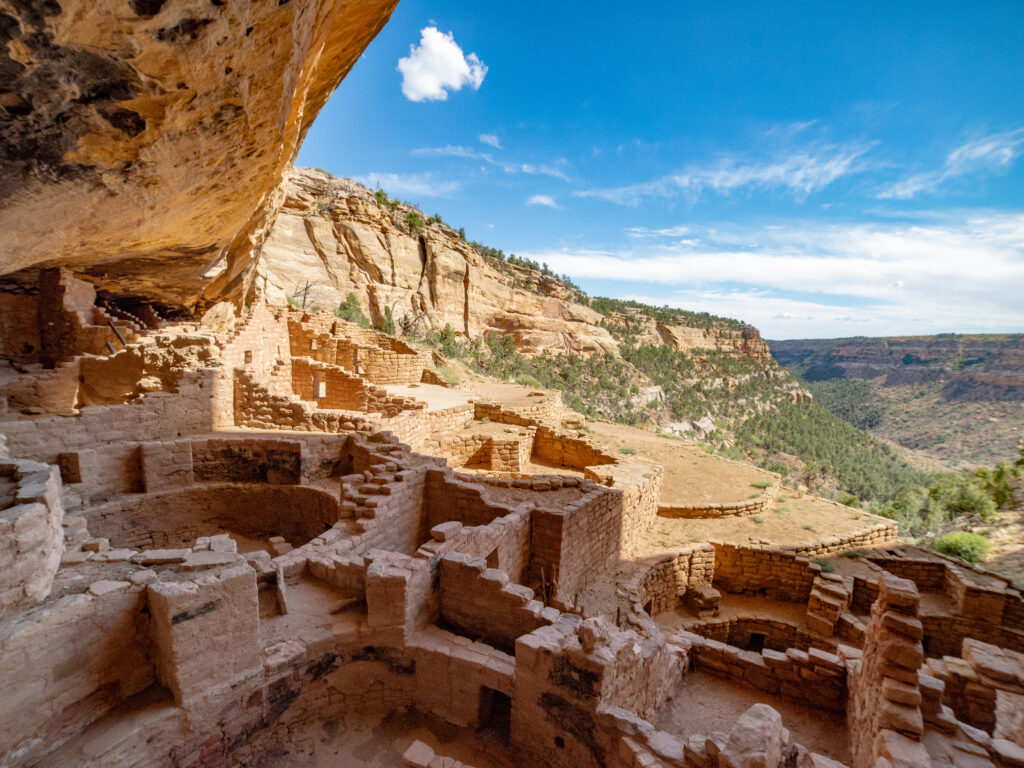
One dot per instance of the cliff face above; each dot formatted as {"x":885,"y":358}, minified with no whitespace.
{"x":956,"y":400}
{"x":968,"y":367}
{"x":335,"y":238}
{"x":747,"y":342}
{"x":143,"y":141}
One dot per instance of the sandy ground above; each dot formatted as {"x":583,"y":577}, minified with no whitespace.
{"x":736,"y":606}
{"x":790,"y":521}
{"x":703,"y":704}
{"x":692,"y":476}
{"x":359,"y":741}
{"x":509,"y":395}
{"x":436,"y":397}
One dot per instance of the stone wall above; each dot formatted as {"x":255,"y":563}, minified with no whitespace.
{"x":885,"y":697}
{"x":661,"y":582}
{"x":764,"y":571}
{"x":576,"y":542}
{"x":31,"y":536}
{"x":573,"y":670}
{"x":741,"y":508}
{"x":68,"y":663}
{"x":379,"y":357}
{"x":482,"y":603}
{"x":104,"y":439}
{"x":175,"y":518}
{"x":882,"y":532}
{"x":811,"y":677}
{"x":776,"y":635}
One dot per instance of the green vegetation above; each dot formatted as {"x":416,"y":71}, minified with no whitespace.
{"x":921,"y":509}
{"x":628,"y":451}
{"x":850,"y":399}
{"x":757,"y":519}
{"x":527,"y":380}
{"x":847,"y":499}
{"x":665,"y":315}
{"x":352,"y":312}
{"x":763,"y":484}
{"x":388,"y":325}
{"x":825,"y":565}
{"x":829,"y":447}
{"x":415,"y":221}
{"x":970,"y":547}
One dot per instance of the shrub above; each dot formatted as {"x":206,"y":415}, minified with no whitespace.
{"x":415,"y":221}
{"x":527,"y":380}
{"x":382,"y":196}
{"x":452,"y":378}
{"x":352,"y":312}
{"x":847,"y":499}
{"x":757,"y":519}
{"x":763,"y":484}
{"x":969,"y":547}
{"x":855,"y":554}
{"x":388,"y":326}
{"x":628,"y":451}
{"x":825,"y":565}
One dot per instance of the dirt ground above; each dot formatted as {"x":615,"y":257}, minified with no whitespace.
{"x":509,"y":395}
{"x":791,"y":521}
{"x":733,"y":607}
{"x":361,"y":741}
{"x":692,"y":476}
{"x":703,"y":704}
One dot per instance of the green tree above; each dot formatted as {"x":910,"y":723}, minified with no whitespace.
{"x":352,"y":312}
{"x":388,"y":326}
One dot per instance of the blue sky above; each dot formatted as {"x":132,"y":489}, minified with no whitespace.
{"x":816,"y":169}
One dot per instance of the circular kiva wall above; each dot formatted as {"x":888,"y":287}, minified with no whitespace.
{"x":172,"y":519}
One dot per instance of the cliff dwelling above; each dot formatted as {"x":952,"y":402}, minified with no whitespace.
{"x":235,"y":531}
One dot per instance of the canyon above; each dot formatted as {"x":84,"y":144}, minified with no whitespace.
{"x":956,"y":400}
{"x":239,"y":529}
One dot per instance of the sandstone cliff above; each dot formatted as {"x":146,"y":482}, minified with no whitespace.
{"x":968,"y":367}
{"x":144,"y":141}
{"x":335,"y":237}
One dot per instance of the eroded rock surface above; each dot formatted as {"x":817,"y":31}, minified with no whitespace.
{"x":144,"y":141}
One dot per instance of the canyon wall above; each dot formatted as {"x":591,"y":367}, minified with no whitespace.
{"x":969,"y":367}
{"x":333,"y":237}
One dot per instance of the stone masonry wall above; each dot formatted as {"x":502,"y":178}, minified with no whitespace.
{"x":772,"y":573}
{"x":482,"y":603}
{"x":67,"y":664}
{"x":31,"y":536}
{"x":104,"y":439}
{"x":812,"y":677}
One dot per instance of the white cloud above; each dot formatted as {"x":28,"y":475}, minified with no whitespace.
{"x":491,"y":139}
{"x":962,"y":273}
{"x":412,"y":184}
{"x":545,"y":200}
{"x":800,"y":172}
{"x":449,"y":150}
{"x":555,"y":170}
{"x":438,"y":65}
{"x":665,"y":232}
{"x":995,"y":152}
